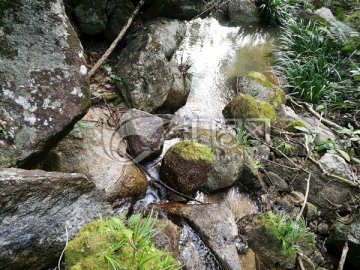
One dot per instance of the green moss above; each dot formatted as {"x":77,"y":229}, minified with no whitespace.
{"x":247,"y":107}
{"x":278,"y":97}
{"x":291,"y":127}
{"x":192,"y":150}
{"x":261,"y":78}
{"x":114,"y":242}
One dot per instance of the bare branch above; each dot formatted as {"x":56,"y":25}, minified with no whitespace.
{"x":118,"y":38}
{"x":343,"y":256}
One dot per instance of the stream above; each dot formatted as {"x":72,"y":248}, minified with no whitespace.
{"x":217,"y":55}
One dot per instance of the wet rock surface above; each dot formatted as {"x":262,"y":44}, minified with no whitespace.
{"x":43,"y":84}
{"x":216,"y":227}
{"x":147,"y":76}
{"x":99,"y":153}
{"x":36,"y":206}
{"x":243,"y":11}
{"x":144,"y":134}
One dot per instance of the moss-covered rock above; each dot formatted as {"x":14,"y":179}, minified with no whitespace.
{"x":277,"y":239}
{"x":247,"y":107}
{"x":186,"y":165}
{"x":115,"y":241}
{"x":260,"y":87}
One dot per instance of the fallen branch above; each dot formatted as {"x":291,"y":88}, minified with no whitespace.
{"x":118,"y":38}
{"x":309,"y":108}
{"x":305,"y":199}
{"x":343,"y":256}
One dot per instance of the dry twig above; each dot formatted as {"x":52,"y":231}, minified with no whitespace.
{"x":305,"y":199}
{"x":66,"y":244}
{"x":118,"y":38}
{"x":343,"y":256}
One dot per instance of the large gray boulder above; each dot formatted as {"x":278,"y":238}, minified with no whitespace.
{"x":39,"y":210}
{"x":98,"y":151}
{"x":243,"y":11}
{"x":148,"y":79}
{"x":43,"y":83}
{"x":215,"y":225}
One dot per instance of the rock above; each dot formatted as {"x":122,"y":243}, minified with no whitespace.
{"x":247,"y":107}
{"x":257,"y":85}
{"x":186,"y":166}
{"x":43,"y":84}
{"x":147,"y":77}
{"x":311,"y":211}
{"x":177,"y":9}
{"x":94,"y":151}
{"x":243,"y":11}
{"x":169,"y":33}
{"x":215,"y":225}
{"x":340,"y":233}
{"x":227,"y":169}
{"x":117,"y":17}
{"x":264,"y":233}
{"x":36,"y":206}
{"x":329,"y":194}
{"x":91,"y":15}
{"x":168,"y":238}
{"x":322,"y":132}
{"x":251,"y":178}
{"x":337,"y":165}
{"x":323,"y":229}
{"x":144,"y":133}
{"x":297,"y":197}
{"x":276,"y":181}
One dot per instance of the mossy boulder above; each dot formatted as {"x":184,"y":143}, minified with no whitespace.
{"x":276,"y":239}
{"x":186,"y":165}
{"x":247,"y":107}
{"x":260,"y":87}
{"x":115,"y":241}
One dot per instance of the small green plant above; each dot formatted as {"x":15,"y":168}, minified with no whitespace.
{"x":241,"y":136}
{"x":117,"y":243}
{"x":289,"y":232}
{"x":111,"y":78}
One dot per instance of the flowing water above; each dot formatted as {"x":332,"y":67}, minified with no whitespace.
{"x":217,"y":55}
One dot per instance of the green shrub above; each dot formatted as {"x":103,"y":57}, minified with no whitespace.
{"x":117,"y":243}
